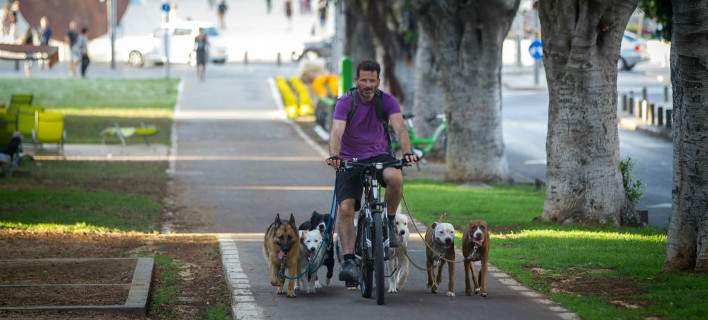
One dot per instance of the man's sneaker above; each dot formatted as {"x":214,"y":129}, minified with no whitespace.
{"x":392,"y":234}
{"x":349,"y":272}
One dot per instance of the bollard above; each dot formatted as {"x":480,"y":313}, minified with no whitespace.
{"x":245,"y":57}
{"x":631,"y":103}
{"x":624,"y":103}
{"x":643,"y":111}
{"x":666,"y":94}
{"x":644,"y":93}
{"x":650,"y":114}
{"x":660,"y":116}
{"x":668,"y":117}
{"x":277,"y":59}
{"x":346,"y":75}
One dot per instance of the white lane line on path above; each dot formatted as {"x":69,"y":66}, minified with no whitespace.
{"x":173,"y":133}
{"x":167,"y":225}
{"x":281,"y":108}
{"x":269,"y":188}
{"x":243,"y":305}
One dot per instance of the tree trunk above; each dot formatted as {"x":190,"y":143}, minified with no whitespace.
{"x":428,"y":96}
{"x":359,"y":45}
{"x":466,"y":37}
{"x":688,"y":231}
{"x":379,"y":13}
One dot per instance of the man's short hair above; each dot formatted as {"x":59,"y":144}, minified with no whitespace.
{"x":369,"y":65}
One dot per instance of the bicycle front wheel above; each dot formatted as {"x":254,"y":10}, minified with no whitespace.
{"x":367,"y":270}
{"x":379,"y":258}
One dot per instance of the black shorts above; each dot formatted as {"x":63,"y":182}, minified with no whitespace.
{"x":349,"y":184}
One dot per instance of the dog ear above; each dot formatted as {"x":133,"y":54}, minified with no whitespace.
{"x":277,"y":218}
{"x":292,"y":220}
{"x":433,"y":226}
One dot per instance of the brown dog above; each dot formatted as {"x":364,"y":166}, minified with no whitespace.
{"x":440,"y":238}
{"x":475,"y":248}
{"x":281,"y":249}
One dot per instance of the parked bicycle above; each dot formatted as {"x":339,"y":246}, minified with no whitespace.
{"x":372,"y":239}
{"x":423,"y":145}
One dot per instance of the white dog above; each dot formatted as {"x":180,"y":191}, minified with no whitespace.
{"x":310,"y":242}
{"x":398,"y":259}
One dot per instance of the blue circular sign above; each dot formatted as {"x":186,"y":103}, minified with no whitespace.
{"x":165,"y":7}
{"x":536,"y":49}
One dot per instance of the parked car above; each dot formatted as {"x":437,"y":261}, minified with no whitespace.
{"x":632,"y":51}
{"x":314,"y":49}
{"x":181,"y":45}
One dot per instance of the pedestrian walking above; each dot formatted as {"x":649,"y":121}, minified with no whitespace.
{"x":45,"y":34}
{"x":72,"y":37}
{"x":289,"y":13}
{"x":269,"y":6}
{"x":201,"y":45}
{"x":322,"y":10}
{"x":82,"y":47}
{"x":28,"y":39}
{"x":221,"y":12}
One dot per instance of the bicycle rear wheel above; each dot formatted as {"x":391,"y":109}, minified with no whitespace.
{"x":379,"y":258}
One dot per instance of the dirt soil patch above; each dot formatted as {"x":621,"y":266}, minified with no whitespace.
{"x":201,"y":286}
{"x":63,"y":296}
{"x":621,"y":292}
{"x":111,"y":271}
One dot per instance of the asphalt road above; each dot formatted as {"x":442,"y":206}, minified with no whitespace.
{"x":525,"y":121}
{"x":240,"y":164}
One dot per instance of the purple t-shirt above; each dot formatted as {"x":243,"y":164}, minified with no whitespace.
{"x":364,"y":136}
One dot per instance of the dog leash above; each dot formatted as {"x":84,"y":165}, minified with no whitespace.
{"x":324,"y":246}
{"x":408,"y":212}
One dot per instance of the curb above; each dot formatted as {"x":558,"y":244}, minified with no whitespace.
{"x":630,"y":124}
{"x":243,"y":304}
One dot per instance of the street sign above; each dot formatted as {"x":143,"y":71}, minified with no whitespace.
{"x":536,"y":49}
{"x":165,"y":7}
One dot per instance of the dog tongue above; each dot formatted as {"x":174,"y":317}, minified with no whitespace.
{"x":281,"y":255}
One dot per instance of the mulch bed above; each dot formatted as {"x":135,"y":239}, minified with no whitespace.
{"x":200,"y":281}
{"x":111,"y":271}
{"x":63,"y":296}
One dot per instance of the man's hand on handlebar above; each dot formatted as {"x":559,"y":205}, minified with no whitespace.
{"x":334,"y":161}
{"x":410,"y":158}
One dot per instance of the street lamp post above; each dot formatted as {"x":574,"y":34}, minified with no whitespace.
{"x":112,"y":21}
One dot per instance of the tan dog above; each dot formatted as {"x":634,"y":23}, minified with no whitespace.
{"x":475,"y":248}
{"x":441,"y":238}
{"x":281,"y":249}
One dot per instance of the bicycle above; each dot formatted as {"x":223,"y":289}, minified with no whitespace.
{"x":372,"y":240}
{"x":423,"y":145}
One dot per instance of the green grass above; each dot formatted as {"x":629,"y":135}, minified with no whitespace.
{"x":72,"y":196}
{"x":165,"y":293}
{"x":87,"y":129}
{"x":95,"y":93}
{"x":217,"y":312}
{"x":598,"y":264}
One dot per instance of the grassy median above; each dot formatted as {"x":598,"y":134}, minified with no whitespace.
{"x":598,"y":272}
{"x":93,"y":105}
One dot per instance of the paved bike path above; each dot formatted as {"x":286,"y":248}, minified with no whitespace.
{"x":239,"y":163}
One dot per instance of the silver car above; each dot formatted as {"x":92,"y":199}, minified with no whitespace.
{"x":633,"y":51}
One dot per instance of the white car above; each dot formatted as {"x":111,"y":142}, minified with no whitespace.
{"x":181,"y":45}
{"x":632,"y":51}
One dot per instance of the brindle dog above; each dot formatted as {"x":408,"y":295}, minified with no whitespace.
{"x":475,"y":248}
{"x":281,"y":249}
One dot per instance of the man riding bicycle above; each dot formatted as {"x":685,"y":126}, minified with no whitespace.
{"x":360,"y":132}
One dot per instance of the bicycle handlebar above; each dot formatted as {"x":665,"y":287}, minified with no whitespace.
{"x":349,"y":164}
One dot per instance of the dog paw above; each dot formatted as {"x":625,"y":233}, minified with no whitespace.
{"x":484,"y":294}
{"x":328,"y":281}
{"x":318,"y":285}
{"x":476,"y":291}
{"x":450,"y":294}
{"x":291,"y":294}
{"x":392,"y":290}
{"x":280,"y":291}
{"x":352,"y":288}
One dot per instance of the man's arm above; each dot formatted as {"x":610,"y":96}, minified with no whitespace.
{"x":335,"y":141}
{"x":396,"y":120}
